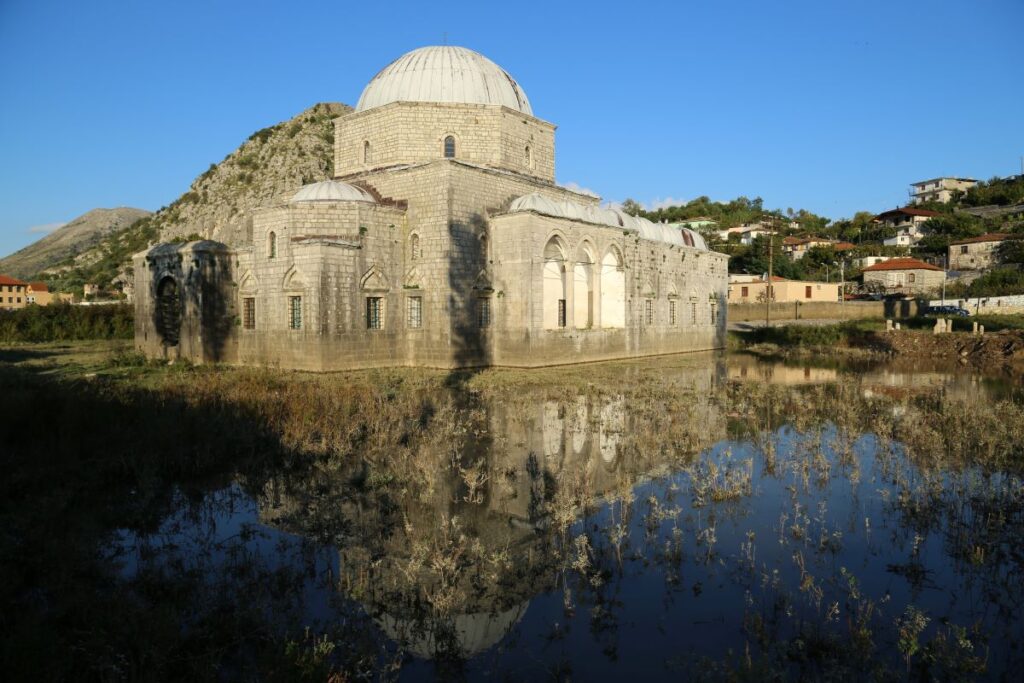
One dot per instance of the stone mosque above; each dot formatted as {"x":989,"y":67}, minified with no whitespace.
{"x":442,"y":241}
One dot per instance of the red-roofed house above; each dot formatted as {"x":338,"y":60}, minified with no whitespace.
{"x":12,"y":293}
{"x":38,"y":293}
{"x":976,"y":253}
{"x":907,"y":223}
{"x":797,"y":247}
{"x":904,"y":275}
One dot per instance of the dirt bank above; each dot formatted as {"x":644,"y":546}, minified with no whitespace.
{"x":996,"y":348}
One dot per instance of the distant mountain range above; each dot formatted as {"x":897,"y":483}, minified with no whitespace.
{"x":268,"y":166}
{"x":71,"y":239}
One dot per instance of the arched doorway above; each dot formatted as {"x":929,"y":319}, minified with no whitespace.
{"x":554,"y":301}
{"x":582,"y":288}
{"x":613,"y":290}
{"x":168,"y":311}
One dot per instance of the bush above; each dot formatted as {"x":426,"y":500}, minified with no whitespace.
{"x":63,"y":322}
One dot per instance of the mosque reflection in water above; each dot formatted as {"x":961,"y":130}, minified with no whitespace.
{"x":452,"y":571}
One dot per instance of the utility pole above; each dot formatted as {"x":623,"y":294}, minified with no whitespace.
{"x":768,"y":287}
{"x":944,"y":264}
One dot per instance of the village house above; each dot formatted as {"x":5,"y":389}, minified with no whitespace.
{"x":39,"y":293}
{"x":976,"y":253}
{"x":797,"y":247}
{"x":754,"y":289}
{"x":865,"y":261}
{"x":939,"y":189}
{"x":699,"y":223}
{"x":13,"y":293}
{"x":904,"y":275}
{"x":907,"y":222}
{"x":746,"y":234}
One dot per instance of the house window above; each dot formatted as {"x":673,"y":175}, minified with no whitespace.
{"x":963,"y":249}
{"x":449,"y":147}
{"x":561,"y":312}
{"x":744,"y":292}
{"x":413,"y":312}
{"x":648,"y":312}
{"x":295,"y":312}
{"x":249,"y":313}
{"x":483,"y":312}
{"x":374,"y":313}
{"x":672,"y":313}
{"x":911,"y":277}
{"x":366,"y":152}
{"x":807,"y":292}
{"x":272,"y":245}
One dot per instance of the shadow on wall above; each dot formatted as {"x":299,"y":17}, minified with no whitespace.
{"x":471,"y":300}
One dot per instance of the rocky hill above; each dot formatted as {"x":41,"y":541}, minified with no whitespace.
{"x":73,"y":238}
{"x":269,"y":165}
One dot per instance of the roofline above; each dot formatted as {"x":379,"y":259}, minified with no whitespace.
{"x":420,"y":103}
{"x":943,"y":177}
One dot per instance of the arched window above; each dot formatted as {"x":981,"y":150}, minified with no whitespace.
{"x":529,"y":157}
{"x":449,"y":147}
{"x":414,"y":248}
{"x":272,"y":245}
{"x":366,"y":152}
{"x":483,"y":248}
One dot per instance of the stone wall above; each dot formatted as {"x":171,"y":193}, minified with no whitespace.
{"x":911,"y":282}
{"x":185,"y":302}
{"x":413,"y":132}
{"x":820,"y":310}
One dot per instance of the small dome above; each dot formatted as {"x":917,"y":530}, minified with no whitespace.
{"x":444,"y":74}
{"x":331,"y":191}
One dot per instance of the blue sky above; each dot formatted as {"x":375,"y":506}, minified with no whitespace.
{"x":834,"y":106}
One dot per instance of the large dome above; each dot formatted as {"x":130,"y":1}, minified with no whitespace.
{"x":444,"y":74}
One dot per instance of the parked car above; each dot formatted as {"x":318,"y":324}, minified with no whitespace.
{"x":948,"y":310}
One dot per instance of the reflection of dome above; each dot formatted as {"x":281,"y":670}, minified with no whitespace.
{"x":473,"y":633}
{"x":331,"y":191}
{"x":444,"y":74}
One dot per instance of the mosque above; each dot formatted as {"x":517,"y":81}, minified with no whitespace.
{"x":442,"y":241}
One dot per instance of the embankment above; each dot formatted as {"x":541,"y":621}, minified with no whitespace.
{"x":825,"y":310}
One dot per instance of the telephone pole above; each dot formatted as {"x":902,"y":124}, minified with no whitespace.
{"x":768,"y":287}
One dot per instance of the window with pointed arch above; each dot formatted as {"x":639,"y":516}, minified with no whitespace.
{"x":366,"y":152}
{"x":449,"y":147}
{"x":272,"y":245}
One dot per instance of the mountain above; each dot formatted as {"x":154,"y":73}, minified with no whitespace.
{"x":272,"y":163}
{"x":74,"y":237}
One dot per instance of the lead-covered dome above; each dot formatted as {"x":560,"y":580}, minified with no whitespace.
{"x":331,"y":191}
{"x":444,"y":73}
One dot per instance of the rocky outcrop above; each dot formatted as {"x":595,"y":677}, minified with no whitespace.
{"x":271,"y":164}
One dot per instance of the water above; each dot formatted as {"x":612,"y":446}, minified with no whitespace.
{"x":697,"y":517}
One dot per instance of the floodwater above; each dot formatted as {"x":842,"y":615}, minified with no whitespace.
{"x":698,"y":517}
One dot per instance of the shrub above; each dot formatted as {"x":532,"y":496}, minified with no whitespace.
{"x":61,"y":322}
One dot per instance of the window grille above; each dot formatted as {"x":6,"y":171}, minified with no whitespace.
{"x":672,"y":313}
{"x":483,"y":312}
{"x":374,"y":313}
{"x":249,"y":313}
{"x":449,"y":147}
{"x":295,"y":312}
{"x":414,"y":312}
{"x":272,"y":245}
{"x":714,"y":314}
{"x":561,"y":312}
{"x":648,"y":312}
{"x":693,"y":314}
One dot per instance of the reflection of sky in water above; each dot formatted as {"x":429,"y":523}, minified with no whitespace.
{"x":679,"y":584}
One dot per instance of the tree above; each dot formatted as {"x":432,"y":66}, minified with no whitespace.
{"x":1011,"y":250}
{"x":632,"y":207}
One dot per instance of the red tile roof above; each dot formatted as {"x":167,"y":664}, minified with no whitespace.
{"x":901,"y":264}
{"x":39,"y":287}
{"x":4,"y":280}
{"x":843,"y":246}
{"x":990,"y":237}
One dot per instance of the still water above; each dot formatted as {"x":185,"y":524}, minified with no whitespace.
{"x":695,"y":517}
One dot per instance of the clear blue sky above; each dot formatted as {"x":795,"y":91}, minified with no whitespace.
{"x":834,"y":106}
